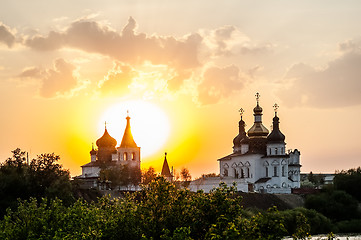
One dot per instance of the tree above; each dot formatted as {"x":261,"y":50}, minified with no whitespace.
{"x":121,"y":175}
{"x":186,"y":177}
{"x":148,"y":175}
{"x":14,"y":180}
{"x":43,"y":177}
{"x":349,"y":181}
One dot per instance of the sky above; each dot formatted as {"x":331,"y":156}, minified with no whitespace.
{"x":182,"y":69}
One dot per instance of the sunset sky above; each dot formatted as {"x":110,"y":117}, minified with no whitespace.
{"x":183,"y":69}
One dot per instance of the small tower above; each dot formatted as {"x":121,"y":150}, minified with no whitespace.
{"x":240,"y":142}
{"x":128,"y":151}
{"x":165,"y":169}
{"x":276,"y":140}
{"x":93,"y":154}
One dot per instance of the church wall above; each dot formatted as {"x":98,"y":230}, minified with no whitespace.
{"x":129,"y":156}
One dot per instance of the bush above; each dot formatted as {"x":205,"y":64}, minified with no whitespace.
{"x":351,"y":226}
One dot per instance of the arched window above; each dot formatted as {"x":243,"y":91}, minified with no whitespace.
{"x":235,"y":173}
{"x":248,"y":173}
{"x":275,"y":171}
{"x":225,"y":173}
{"x":125,"y":156}
{"x":266,"y":171}
{"x":133,"y":156}
{"x":242,"y":173}
{"x":283,"y":171}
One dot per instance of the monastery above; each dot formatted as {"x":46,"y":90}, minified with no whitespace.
{"x":259,"y":161}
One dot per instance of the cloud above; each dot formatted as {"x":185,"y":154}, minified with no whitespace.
{"x":57,"y":82}
{"x":219,"y":83}
{"x":128,"y":46}
{"x":337,"y":85}
{"x":118,"y":79}
{"x":6,"y":35}
{"x":184,"y":57}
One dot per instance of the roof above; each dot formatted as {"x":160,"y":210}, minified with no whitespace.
{"x":263,"y":180}
{"x":106,"y":140}
{"x":128,"y":140}
{"x":165,"y":169}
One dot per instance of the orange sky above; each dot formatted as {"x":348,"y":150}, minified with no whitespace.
{"x":191,"y":65}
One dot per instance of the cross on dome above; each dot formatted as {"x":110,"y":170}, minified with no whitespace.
{"x":257,"y":97}
{"x":241,"y":111}
{"x":275,"y":107}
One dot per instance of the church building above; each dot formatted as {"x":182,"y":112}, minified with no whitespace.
{"x":108,"y":155}
{"x":259,"y":161}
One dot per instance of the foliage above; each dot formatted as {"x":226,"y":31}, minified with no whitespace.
{"x":43,"y":177}
{"x":349,"y":181}
{"x":148,"y":175}
{"x":336,"y":205}
{"x":349,"y":226}
{"x":159,"y":211}
{"x":315,"y":222}
{"x":121,"y":175}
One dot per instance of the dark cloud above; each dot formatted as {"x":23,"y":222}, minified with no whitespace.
{"x":219,"y":83}
{"x":6,"y":36}
{"x":337,"y":85}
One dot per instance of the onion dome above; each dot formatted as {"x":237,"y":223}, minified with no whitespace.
{"x":242,"y":132}
{"x":257,"y":109}
{"x":128,"y":140}
{"x":258,"y":129}
{"x":276,"y":136}
{"x":106,"y":140}
{"x":93,"y":152}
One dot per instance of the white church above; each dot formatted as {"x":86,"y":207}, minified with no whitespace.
{"x":108,"y":155}
{"x":259,"y":162}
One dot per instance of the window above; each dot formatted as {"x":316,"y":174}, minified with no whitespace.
{"x":270,"y":153}
{"x":125,"y":156}
{"x":225,"y":173}
{"x":235,"y":173}
{"x":266,"y":171}
{"x":275,"y":171}
{"x":276,"y":151}
{"x":133,"y":156}
{"x":242,"y":173}
{"x":248,"y":172}
{"x":283,"y":171}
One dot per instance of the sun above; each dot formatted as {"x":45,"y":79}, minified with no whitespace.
{"x":149,"y":124}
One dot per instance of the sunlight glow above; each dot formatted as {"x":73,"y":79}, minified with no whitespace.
{"x":149,"y":124}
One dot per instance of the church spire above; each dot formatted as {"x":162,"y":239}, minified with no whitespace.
{"x":165,"y":169}
{"x":128,"y":140}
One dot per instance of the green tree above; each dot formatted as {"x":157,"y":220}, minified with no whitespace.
{"x":349,"y":181}
{"x":336,"y":205}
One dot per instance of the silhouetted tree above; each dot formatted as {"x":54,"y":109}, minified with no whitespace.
{"x":43,"y":177}
{"x":148,"y":175}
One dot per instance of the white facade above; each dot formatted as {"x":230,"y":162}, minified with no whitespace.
{"x":259,"y":161}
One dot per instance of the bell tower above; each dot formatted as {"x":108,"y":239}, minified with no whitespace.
{"x":128,"y":151}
